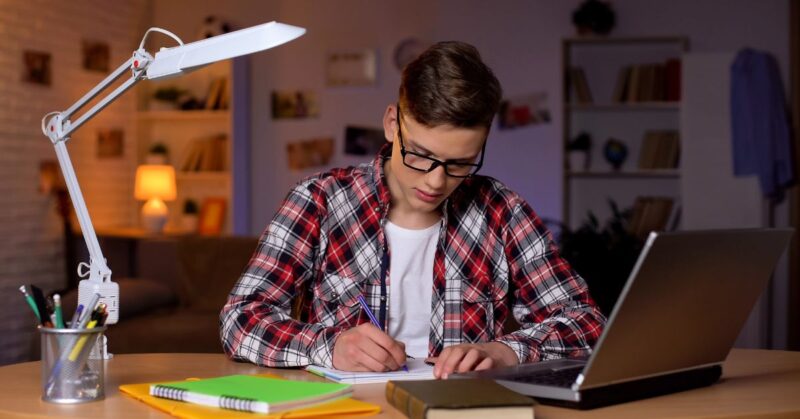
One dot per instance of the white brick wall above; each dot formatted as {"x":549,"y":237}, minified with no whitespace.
{"x":31,"y":244}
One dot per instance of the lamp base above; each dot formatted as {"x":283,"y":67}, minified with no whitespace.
{"x":154,"y":216}
{"x":154,"y":223}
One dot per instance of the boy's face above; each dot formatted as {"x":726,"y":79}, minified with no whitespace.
{"x":416,"y":191}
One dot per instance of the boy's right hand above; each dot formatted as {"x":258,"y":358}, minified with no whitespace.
{"x":367,"y":348}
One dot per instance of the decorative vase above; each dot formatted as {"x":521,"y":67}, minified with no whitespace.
{"x":189,"y":222}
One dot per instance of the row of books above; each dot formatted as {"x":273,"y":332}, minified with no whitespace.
{"x":653,"y":214}
{"x":660,"y":150}
{"x":205,"y":154}
{"x":655,"y":82}
{"x":218,"y":96}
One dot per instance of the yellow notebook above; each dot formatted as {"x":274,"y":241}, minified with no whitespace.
{"x":339,"y":408}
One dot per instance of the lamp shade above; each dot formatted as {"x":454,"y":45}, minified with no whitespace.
{"x":155,"y":181}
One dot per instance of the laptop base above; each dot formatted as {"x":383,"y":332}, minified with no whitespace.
{"x":640,"y":389}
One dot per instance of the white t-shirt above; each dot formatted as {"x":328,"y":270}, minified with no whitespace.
{"x":411,"y":285}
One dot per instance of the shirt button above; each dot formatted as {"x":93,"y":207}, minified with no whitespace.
{"x":377,"y":209}
{"x":335,"y":295}
{"x":383,"y":298}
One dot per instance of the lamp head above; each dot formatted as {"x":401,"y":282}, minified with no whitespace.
{"x":169,"y":62}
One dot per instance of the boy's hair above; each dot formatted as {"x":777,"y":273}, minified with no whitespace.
{"x":448,"y":84}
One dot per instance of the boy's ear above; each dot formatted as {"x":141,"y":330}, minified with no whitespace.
{"x":390,"y":123}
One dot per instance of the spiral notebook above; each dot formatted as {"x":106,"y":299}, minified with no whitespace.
{"x":417,"y":370}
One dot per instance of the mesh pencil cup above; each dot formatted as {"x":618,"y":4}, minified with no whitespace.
{"x":72,"y":365}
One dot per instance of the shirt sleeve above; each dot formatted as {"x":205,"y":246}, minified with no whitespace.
{"x":551,"y":301}
{"x":255,"y":324}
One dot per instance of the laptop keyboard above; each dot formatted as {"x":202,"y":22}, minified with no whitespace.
{"x":558,"y":378}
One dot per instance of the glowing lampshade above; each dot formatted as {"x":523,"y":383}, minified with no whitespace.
{"x":155,"y":183}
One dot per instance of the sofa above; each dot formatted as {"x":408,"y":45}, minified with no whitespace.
{"x":173,"y":300}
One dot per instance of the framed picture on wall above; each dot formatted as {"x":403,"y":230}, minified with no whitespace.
{"x":96,"y":55}
{"x":36,"y":67}
{"x":212,"y":216}
{"x":351,"y":68}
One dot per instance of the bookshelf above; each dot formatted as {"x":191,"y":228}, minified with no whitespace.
{"x":626,"y":89}
{"x":201,"y":143}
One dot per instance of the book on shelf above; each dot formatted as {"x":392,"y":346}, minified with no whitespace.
{"x":451,"y":399}
{"x":650,"y":214}
{"x":649,"y":82}
{"x":205,"y":154}
{"x":217,"y":92}
{"x":660,"y":150}
{"x":249,"y":393}
{"x":580,"y":86}
{"x":672,"y":80}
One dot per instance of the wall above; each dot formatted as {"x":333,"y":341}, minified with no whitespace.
{"x":519,"y":39}
{"x":31,"y":250}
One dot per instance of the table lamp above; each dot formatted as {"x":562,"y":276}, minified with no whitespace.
{"x":167,"y":62}
{"x":155,"y":183}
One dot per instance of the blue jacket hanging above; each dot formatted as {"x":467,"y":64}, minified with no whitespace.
{"x":760,"y":122}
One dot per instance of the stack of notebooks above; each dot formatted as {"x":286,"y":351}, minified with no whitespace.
{"x":241,"y":395}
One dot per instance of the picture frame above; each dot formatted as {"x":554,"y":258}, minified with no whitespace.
{"x":306,"y":154}
{"x":363,"y":141}
{"x":96,"y":55}
{"x":351,"y":68}
{"x":36,"y":68}
{"x":110,"y":143}
{"x":212,"y":216}
{"x":294,"y":104}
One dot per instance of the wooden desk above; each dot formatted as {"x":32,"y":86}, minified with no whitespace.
{"x":755,"y":383}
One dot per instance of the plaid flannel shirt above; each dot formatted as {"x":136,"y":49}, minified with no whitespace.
{"x":494,"y":258}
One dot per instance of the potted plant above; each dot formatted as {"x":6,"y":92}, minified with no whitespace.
{"x":166,"y":98}
{"x":157,"y":154}
{"x":579,"y":152}
{"x":190,"y":215}
{"x":603,"y":256}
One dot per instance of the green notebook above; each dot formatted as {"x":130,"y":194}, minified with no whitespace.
{"x":249,"y":393}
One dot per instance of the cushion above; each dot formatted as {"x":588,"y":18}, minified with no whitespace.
{"x":210,"y":266}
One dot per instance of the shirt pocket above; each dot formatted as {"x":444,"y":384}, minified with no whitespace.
{"x":483,"y":309}
{"x":336,"y":300}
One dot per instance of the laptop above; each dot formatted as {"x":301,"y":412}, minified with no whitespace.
{"x":672,"y":327}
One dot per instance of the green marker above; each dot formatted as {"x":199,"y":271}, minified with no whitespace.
{"x":30,"y":302}
{"x":59,"y":316}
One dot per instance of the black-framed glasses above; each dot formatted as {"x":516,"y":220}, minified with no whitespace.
{"x":427,"y":164}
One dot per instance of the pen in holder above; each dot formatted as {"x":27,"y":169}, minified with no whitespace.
{"x":72,"y":365}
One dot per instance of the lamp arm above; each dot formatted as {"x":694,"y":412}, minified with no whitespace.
{"x":57,"y":127}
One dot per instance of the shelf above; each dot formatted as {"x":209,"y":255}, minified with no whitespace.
{"x":630,"y":40}
{"x":638,"y":174}
{"x":621,"y":107}
{"x":203,"y":176}
{"x":220,"y":115}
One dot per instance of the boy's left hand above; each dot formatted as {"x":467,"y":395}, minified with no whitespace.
{"x":473,"y":357}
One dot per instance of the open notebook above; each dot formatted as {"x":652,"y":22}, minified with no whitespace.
{"x":417,"y":370}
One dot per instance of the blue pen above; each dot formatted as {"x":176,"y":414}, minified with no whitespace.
{"x":374,"y":321}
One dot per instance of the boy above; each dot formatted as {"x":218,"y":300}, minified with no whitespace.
{"x":441,"y":255}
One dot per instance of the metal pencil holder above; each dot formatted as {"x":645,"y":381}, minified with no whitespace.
{"x":72,"y":365}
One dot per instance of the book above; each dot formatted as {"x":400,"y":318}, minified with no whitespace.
{"x":460,"y":398}
{"x":621,"y":88}
{"x":672,"y":79}
{"x":580,"y":86}
{"x":650,"y":214}
{"x":248,"y":393}
{"x":417,"y":370}
{"x":344,"y":406}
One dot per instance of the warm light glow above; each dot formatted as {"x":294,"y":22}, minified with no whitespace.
{"x":155,"y":181}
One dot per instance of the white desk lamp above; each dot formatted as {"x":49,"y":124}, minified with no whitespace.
{"x":168,"y":62}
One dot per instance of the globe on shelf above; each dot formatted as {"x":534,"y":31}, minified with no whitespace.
{"x":615,"y":152}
